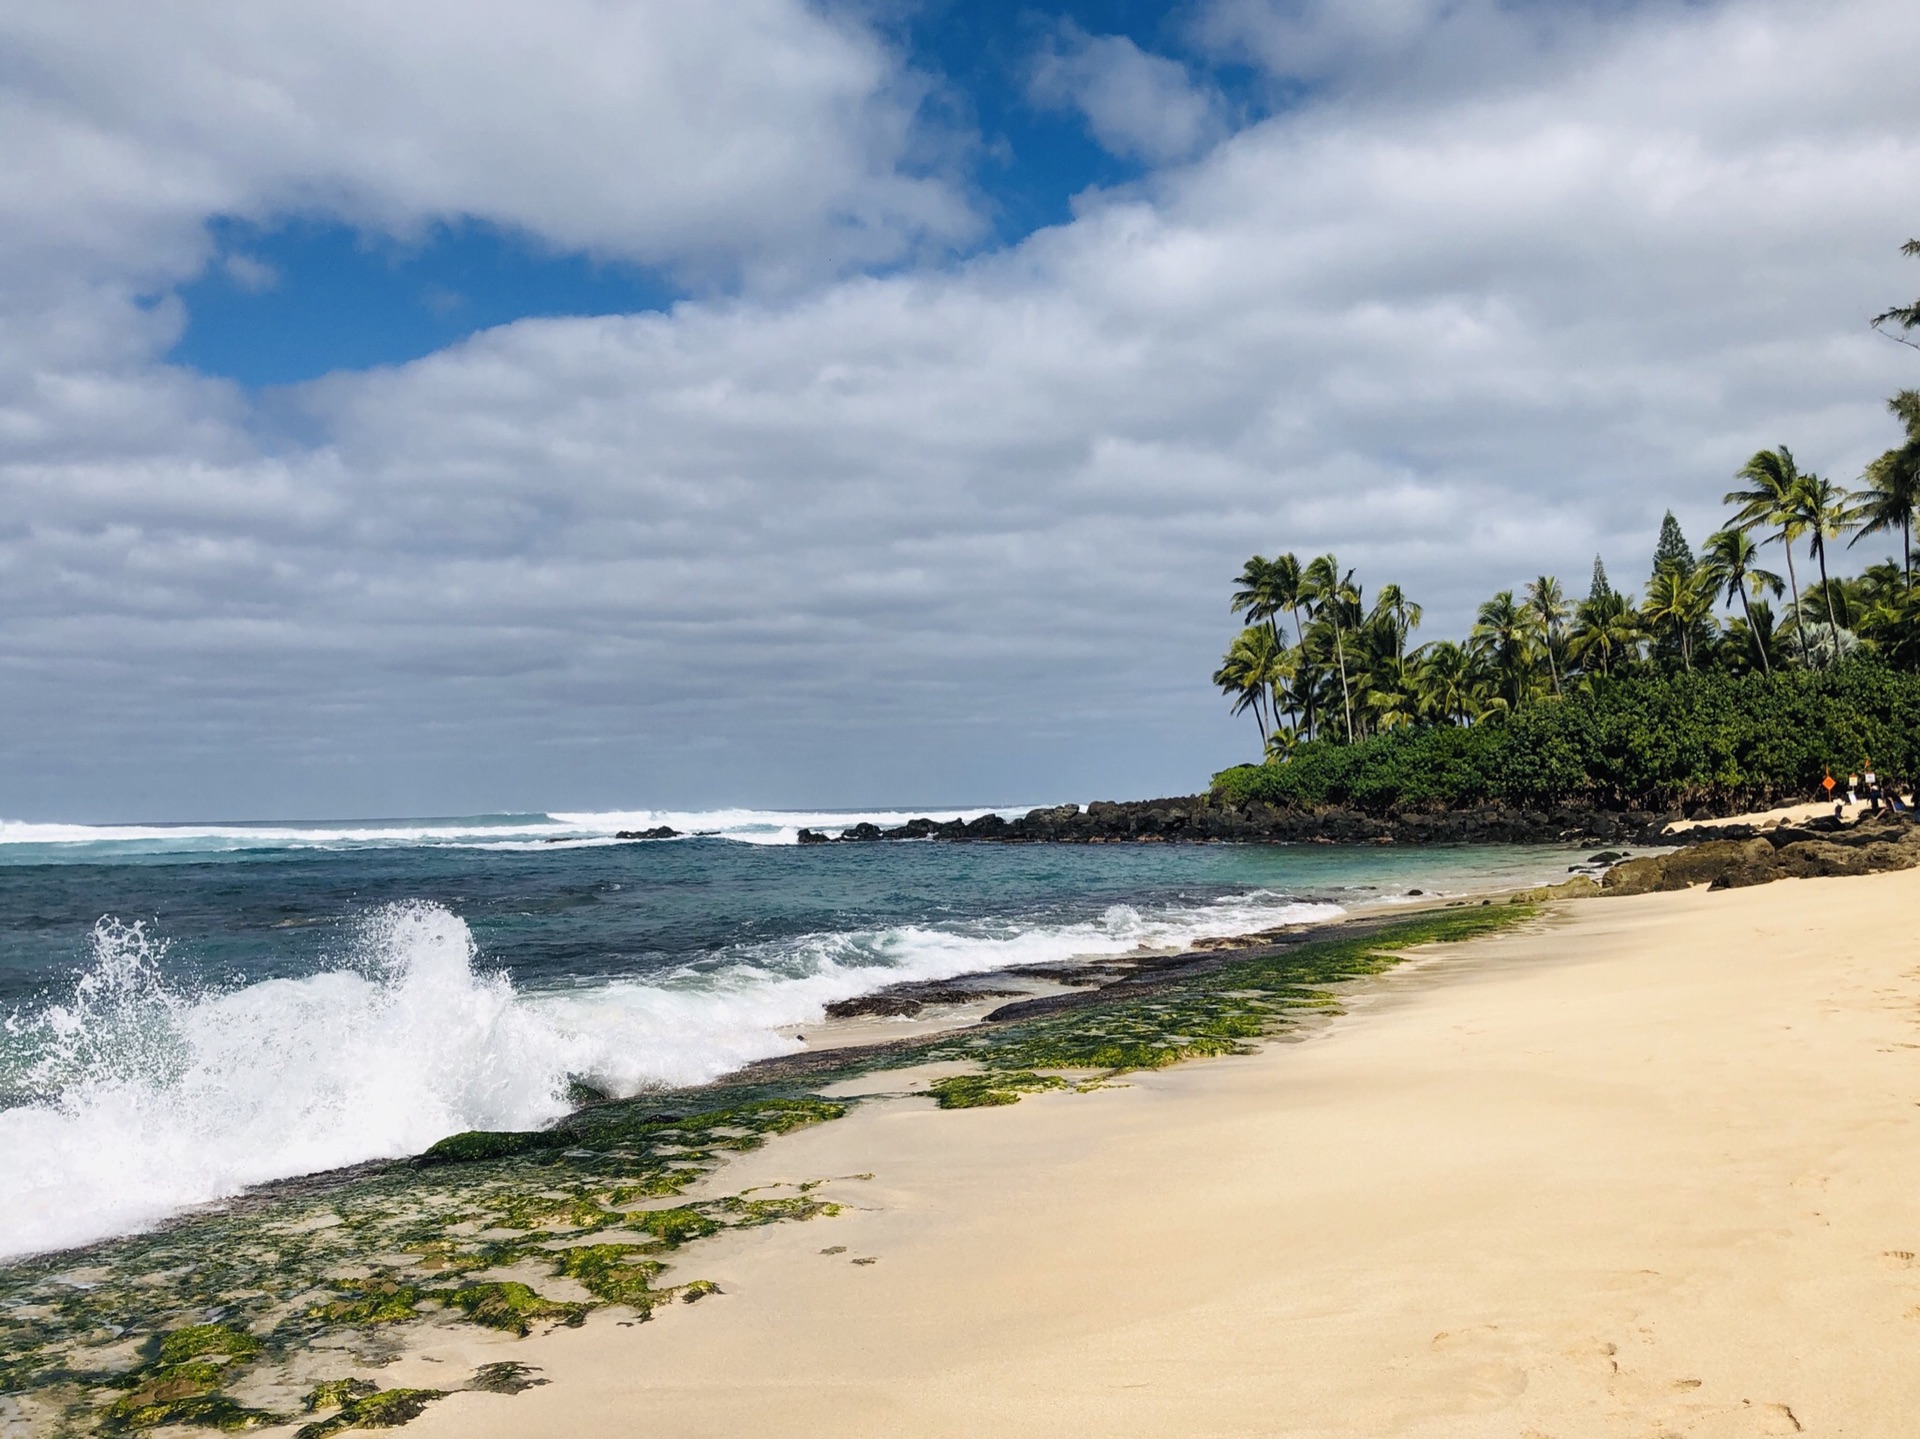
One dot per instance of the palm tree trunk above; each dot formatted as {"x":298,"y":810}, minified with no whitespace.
{"x":1306,"y":707}
{"x":1799,"y":628}
{"x":1346,"y":695}
{"x":1833,"y":623}
{"x":1752,"y":634}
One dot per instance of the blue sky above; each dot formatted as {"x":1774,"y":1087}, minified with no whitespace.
{"x":293,"y":296}
{"x":469,"y":406}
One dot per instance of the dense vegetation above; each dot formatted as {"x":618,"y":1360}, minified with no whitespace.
{"x":1645,"y":742}
{"x":1624,"y":701}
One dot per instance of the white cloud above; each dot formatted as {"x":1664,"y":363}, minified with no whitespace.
{"x":967,"y":531}
{"x":1137,"y":105}
{"x":760,"y":136}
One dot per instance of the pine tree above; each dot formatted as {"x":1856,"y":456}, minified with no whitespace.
{"x":1599,"y":590}
{"x":1672,"y":551}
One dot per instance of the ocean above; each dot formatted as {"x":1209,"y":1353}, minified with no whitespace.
{"x":189,"y":1010}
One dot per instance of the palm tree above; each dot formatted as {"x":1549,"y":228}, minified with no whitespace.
{"x":1824,"y":515}
{"x":1505,"y":630}
{"x":1893,"y":485}
{"x":1289,"y":588}
{"x":1252,"y":663}
{"x":1549,"y":606}
{"x":1445,"y":682}
{"x":1677,"y":601}
{"x":1773,"y":481}
{"x":1398,"y":614}
{"x":1907,"y":317}
{"x":1606,"y":630}
{"x":1333,"y":595}
{"x":1730,"y":564}
{"x":1258,"y":594}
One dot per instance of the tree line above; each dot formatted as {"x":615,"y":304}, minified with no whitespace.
{"x":1316,"y":660}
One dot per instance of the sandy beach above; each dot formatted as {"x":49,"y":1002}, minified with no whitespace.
{"x":1647,"y":1166}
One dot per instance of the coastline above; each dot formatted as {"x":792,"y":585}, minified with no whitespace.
{"x":757,"y":1170}
{"x":1642,"y":1166}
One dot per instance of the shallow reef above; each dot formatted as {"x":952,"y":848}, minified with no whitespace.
{"x":281,"y":1308}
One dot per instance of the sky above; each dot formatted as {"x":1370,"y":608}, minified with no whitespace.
{"x":607,"y":404}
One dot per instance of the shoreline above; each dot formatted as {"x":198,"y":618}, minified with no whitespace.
{"x":730,"y":1119}
{"x":1643,"y":1168}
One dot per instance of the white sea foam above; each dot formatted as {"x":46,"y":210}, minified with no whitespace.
{"x":23,"y":840}
{"x":149,"y":1100}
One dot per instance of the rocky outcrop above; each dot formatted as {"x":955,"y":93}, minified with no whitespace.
{"x":1873,"y":845}
{"x":1201,"y":818}
{"x":657,"y":832}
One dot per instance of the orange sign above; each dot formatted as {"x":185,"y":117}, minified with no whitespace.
{"x":1827,"y":784}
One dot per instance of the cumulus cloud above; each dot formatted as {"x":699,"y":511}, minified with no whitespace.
{"x":967,"y":530}
{"x":759,"y":137}
{"x":1137,"y":105}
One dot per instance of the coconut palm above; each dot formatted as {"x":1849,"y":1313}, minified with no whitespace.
{"x":1730,"y":564}
{"x":1549,"y":606}
{"x":1907,"y":317}
{"x":1505,"y":631}
{"x":1824,"y":514}
{"x":1289,"y":588}
{"x":1445,"y":682}
{"x":1398,"y":615}
{"x":1335,"y":602}
{"x":1893,"y":485}
{"x":1253,"y":664}
{"x":1770,"y":501}
{"x":1606,"y":631}
{"x":1677,"y":601}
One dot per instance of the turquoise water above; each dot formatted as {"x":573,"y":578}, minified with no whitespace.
{"x":189,"y":1010}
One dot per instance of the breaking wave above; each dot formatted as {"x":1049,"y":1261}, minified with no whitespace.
{"x":132,"y":1100}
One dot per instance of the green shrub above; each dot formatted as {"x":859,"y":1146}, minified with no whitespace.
{"x":1712,"y":741}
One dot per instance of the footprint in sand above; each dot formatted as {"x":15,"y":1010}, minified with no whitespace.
{"x":835,"y":1249}
{"x":871,"y":1259}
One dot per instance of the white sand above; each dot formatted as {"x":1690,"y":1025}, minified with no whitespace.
{"x":1650,"y":1168}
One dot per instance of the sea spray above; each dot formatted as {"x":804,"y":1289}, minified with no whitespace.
{"x":143,"y":1100}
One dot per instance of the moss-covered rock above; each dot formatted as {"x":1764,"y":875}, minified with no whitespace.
{"x":990,"y":1087}
{"x":382,"y":1409}
{"x":515,"y":1307}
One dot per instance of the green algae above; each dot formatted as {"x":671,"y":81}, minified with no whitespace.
{"x":369,"y":1301}
{"x":164,"y":1328}
{"x":1225,"y":1012}
{"x":333,"y":1393}
{"x":503,"y":1377}
{"x":381,"y":1409}
{"x":221,"y":1298}
{"x":991,"y":1087}
{"x":515,"y":1307}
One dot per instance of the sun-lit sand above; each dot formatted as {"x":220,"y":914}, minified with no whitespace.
{"x":1649,"y":1167}
{"x":1784,"y":814}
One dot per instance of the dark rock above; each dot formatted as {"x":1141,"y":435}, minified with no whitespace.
{"x":891,"y":1006}
{"x":657,"y":832}
{"x":813,"y":836}
{"x":1202,"y":819}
